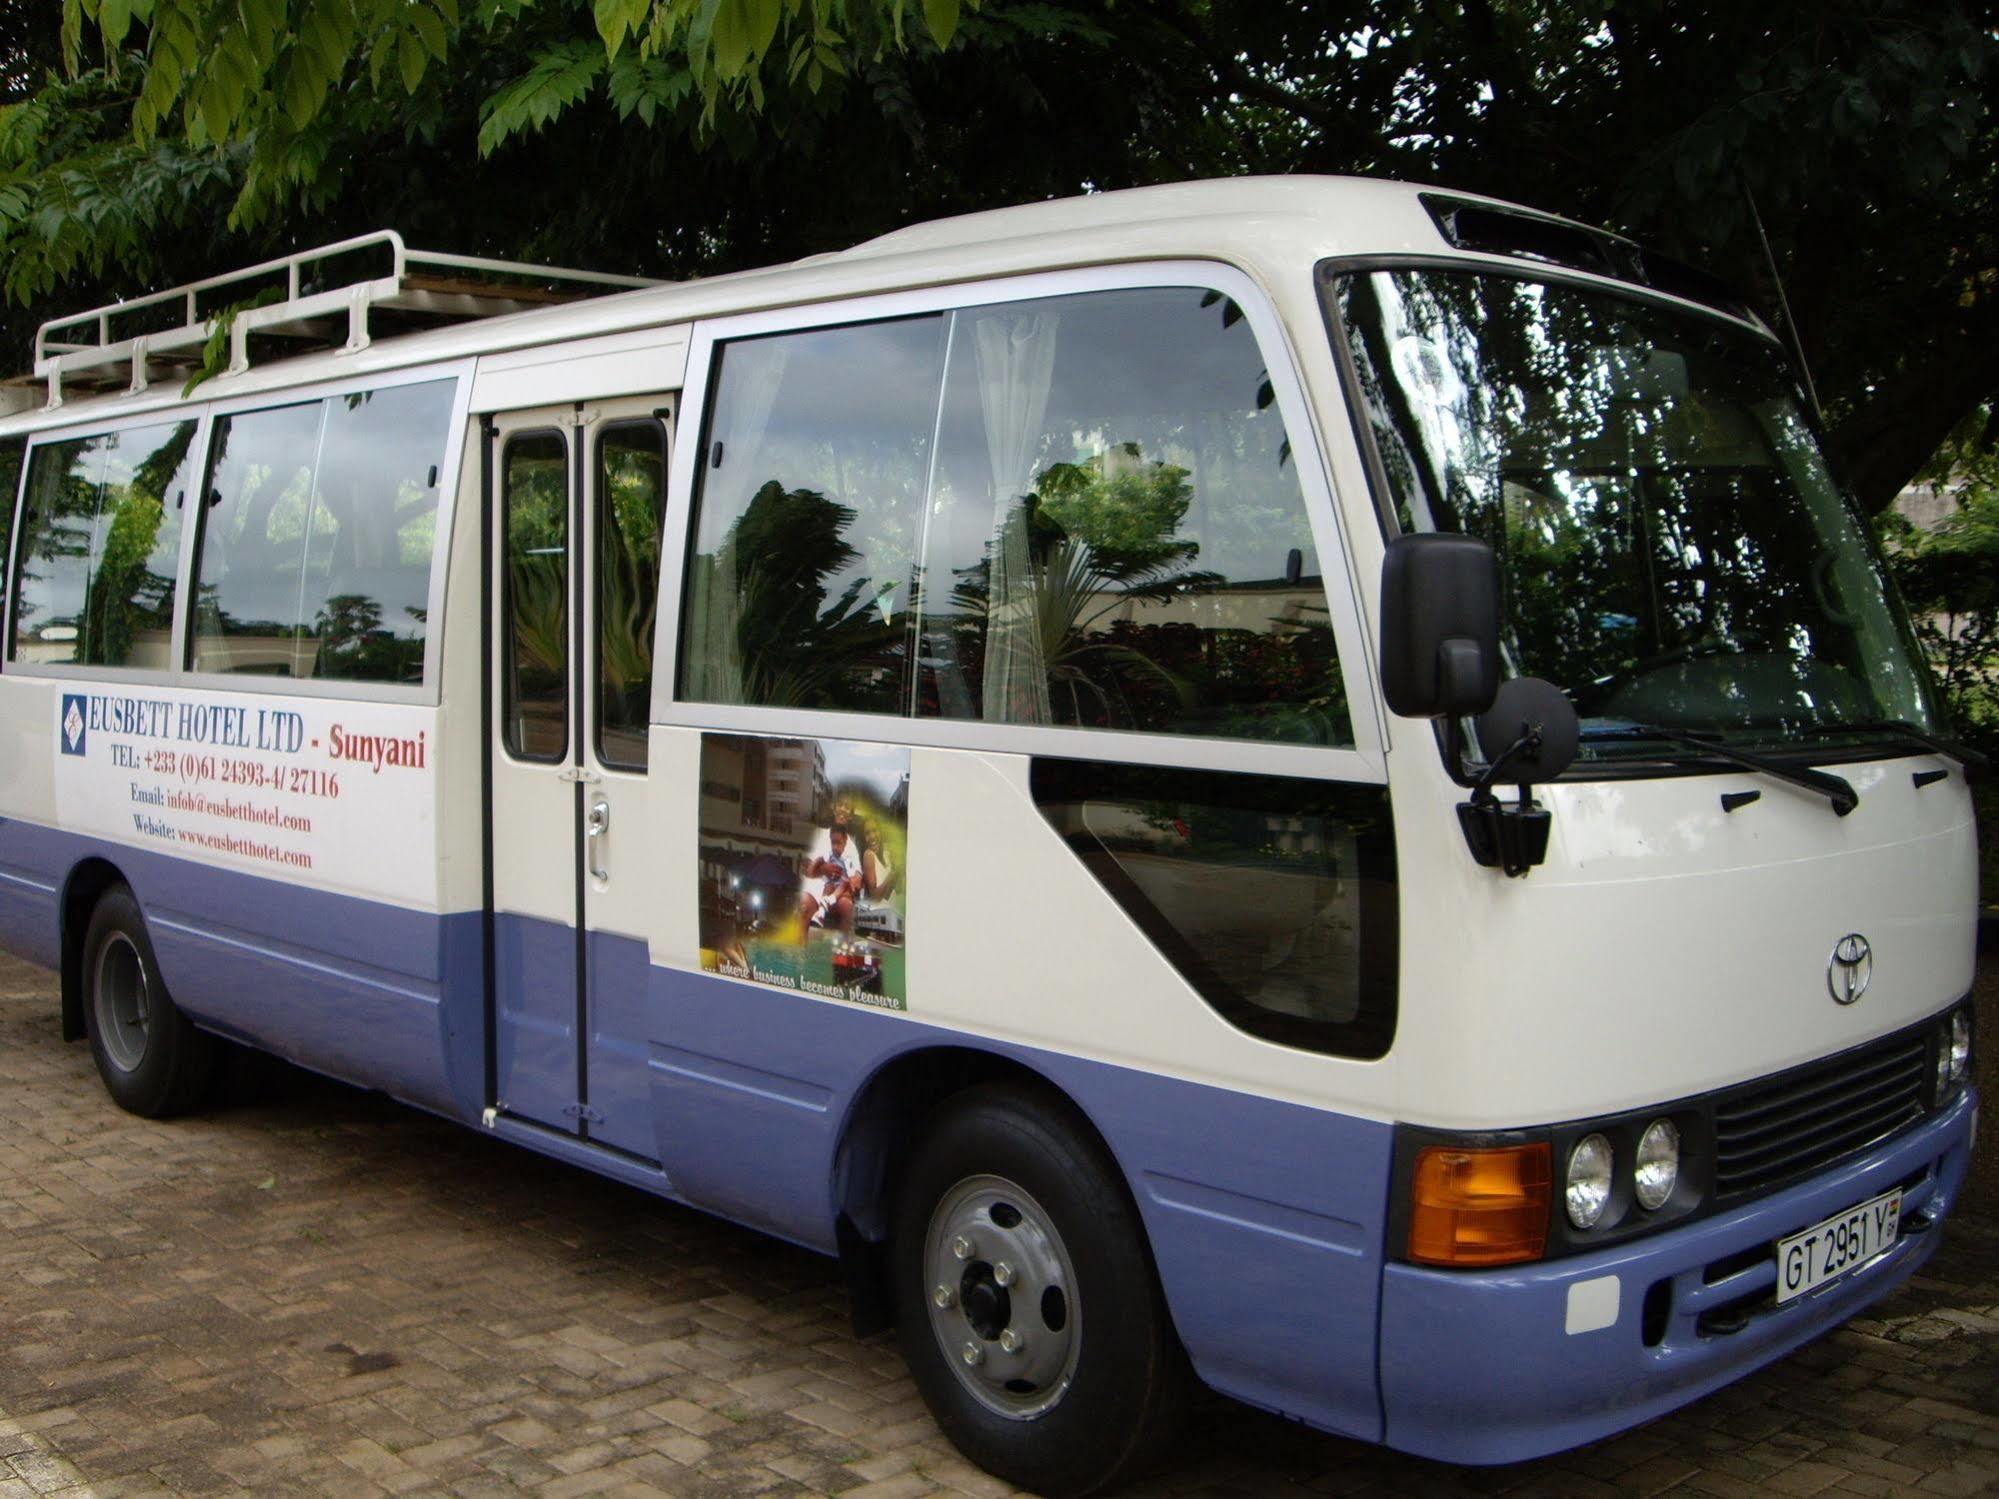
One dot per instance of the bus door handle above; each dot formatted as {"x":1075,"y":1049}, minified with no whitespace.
{"x":594,"y":827}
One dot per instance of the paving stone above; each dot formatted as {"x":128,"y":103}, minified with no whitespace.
{"x":312,"y":1290}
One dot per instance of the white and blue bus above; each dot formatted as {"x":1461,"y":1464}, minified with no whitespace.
{"x":1299,"y":783}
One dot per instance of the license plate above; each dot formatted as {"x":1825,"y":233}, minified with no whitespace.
{"x":1845,"y":1241}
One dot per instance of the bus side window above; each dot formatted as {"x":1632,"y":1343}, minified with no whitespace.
{"x":320,"y":523}
{"x":809,"y":517}
{"x":100,"y":548}
{"x":1275,"y":897}
{"x":631,"y":494}
{"x":535,"y":592}
{"x":1125,"y":543}
{"x":12,"y":451}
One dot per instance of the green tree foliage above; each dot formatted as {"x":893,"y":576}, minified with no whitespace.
{"x":1121,"y":505}
{"x":147,"y":141}
{"x":1949,"y":577}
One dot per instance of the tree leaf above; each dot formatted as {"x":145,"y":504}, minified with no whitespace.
{"x":618,"y":20}
{"x":731,"y":36}
{"x":413,"y":60}
{"x":559,"y":77}
{"x":764,"y":18}
{"x":302,"y":90}
{"x":428,"y":26}
{"x":72,"y":36}
{"x":114,"y":19}
{"x":941,"y":16}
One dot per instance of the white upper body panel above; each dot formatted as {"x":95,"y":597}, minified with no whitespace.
{"x":1665,"y":947}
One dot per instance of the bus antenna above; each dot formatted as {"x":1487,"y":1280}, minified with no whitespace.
{"x":1784,"y":302}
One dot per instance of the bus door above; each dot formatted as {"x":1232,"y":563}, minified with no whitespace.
{"x":578,"y":496}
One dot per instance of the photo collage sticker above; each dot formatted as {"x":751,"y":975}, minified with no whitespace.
{"x":803,"y":849}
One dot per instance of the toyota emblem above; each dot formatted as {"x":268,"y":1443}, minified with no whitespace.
{"x":1851,"y":968}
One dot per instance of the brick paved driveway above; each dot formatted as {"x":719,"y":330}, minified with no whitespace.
{"x":317,"y":1291}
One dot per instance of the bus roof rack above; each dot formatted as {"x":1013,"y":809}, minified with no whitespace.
{"x":337,"y":296}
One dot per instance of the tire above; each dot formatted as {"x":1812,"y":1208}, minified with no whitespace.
{"x":153,"y":1061}
{"x":1011,"y":1208}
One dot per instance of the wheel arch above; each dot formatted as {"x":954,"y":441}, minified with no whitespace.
{"x":81,"y":891}
{"x":883,"y":1123}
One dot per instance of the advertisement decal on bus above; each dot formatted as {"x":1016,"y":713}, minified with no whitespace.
{"x":316,"y":787}
{"x":802,"y":858}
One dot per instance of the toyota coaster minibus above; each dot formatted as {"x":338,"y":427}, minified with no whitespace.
{"x":1303,"y":783}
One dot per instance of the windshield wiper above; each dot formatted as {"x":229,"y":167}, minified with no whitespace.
{"x":1969,"y":758}
{"x":1835,"y":789}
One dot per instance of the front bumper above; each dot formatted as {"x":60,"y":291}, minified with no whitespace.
{"x":1482,"y":1367}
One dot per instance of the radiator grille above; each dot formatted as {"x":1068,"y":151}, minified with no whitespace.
{"x":1770,"y":1131}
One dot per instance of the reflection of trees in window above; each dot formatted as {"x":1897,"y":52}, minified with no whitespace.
{"x":810,"y":515}
{"x":796,"y":645}
{"x":352,"y":642}
{"x":631,"y":486}
{"x":1158,"y":571}
{"x":13,"y":452}
{"x":1110,"y":523}
{"x":1106,"y":558}
{"x":1658,"y":525}
{"x":101,"y":546}
{"x":1098,"y":534}
{"x":536,"y":499}
{"x":322,"y":516}
{"x":132,"y":583}
{"x":58,"y":522}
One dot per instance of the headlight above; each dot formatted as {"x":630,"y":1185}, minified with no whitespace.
{"x":1944,"y":1073}
{"x":1589,"y":1180}
{"x":1960,"y":1046}
{"x":1658,"y":1167}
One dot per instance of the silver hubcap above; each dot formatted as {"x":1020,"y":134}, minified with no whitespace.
{"x":1002,"y":1295}
{"x":124,"y":1002}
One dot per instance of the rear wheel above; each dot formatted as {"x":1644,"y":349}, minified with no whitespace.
{"x":1026,"y":1300}
{"x":153,"y":1061}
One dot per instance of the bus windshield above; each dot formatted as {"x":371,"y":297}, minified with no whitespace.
{"x":1672,"y":549}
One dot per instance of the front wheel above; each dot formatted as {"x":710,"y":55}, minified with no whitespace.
{"x":1027,"y":1304}
{"x":153,"y":1061}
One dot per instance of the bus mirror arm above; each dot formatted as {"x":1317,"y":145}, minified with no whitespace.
{"x":1511,"y":837}
{"x":1528,"y":735}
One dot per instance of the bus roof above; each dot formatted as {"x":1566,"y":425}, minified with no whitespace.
{"x":1266,"y":226}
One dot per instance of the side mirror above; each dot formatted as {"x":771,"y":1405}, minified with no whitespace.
{"x":1529,"y":734}
{"x":1439,"y":626}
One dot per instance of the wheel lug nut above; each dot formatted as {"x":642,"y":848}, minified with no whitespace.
{"x":1012,"y":1341}
{"x":974,"y":1355}
{"x":943,"y":1298}
{"x":961,"y":1247}
{"x":1003,"y":1273}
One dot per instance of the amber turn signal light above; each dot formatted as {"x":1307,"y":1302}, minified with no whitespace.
{"x":1472,"y":1206}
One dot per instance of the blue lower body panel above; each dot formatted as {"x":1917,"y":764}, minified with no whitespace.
{"x":534,"y":984}
{"x":1265,"y":1218}
{"x":369,"y":992}
{"x":1479,"y":1367}
{"x":621,"y":1024}
{"x":28,"y":901}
